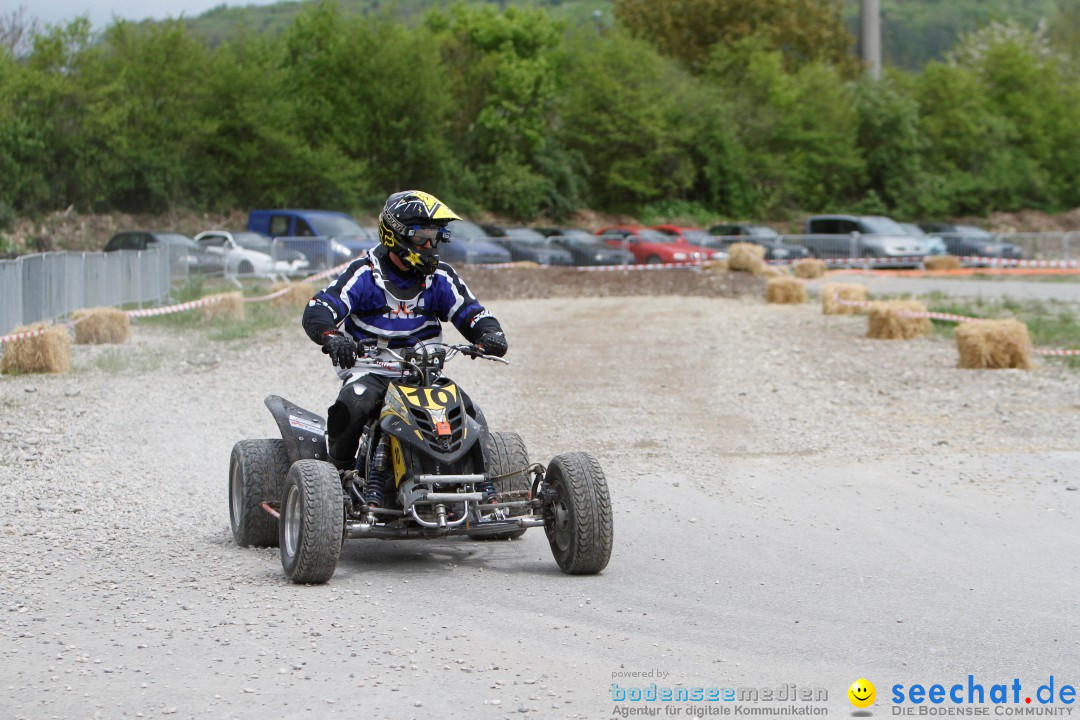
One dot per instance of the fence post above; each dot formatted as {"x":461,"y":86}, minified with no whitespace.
{"x":1065,"y":243}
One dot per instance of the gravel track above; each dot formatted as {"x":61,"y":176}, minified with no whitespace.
{"x":793,"y":503}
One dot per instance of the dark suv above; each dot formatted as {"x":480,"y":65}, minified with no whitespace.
{"x":763,"y":235}
{"x":972,"y":241}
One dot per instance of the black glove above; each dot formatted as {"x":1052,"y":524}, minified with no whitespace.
{"x":341,"y":349}
{"x":492,"y":343}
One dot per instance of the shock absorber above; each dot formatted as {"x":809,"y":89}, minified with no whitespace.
{"x":376,"y":480}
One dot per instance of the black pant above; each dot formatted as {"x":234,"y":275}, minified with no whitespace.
{"x":356,"y":404}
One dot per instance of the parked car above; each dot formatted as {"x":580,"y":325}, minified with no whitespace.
{"x":972,"y":241}
{"x":693,"y":236}
{"x":763,"y":235}
{"x":586,"y":248}
{"x":528,"y":245}
{"x":470,"y":245}
{"x":183,"y":251}
{"x":868,"y":236}
{"x":326,"y":238}
{"x":242,"y":259}
{"x":651,"y":247}
{"x":935,"y":244}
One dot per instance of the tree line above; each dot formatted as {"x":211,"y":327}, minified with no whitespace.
{"x":750,"y":114}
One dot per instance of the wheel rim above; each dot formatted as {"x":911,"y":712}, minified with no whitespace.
{"x":292,"y":521}
{"x":236,"y":492}
{"x":563,"y":531}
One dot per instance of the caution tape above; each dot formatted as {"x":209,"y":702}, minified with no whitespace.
{"x":689,"y":265}
{"x":949,"y":317}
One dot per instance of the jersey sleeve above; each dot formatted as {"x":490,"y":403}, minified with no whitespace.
{"x":331,"y":305}
{"x":455,"y":303}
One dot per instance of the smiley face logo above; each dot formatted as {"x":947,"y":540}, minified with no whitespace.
{"x":862,"y":693}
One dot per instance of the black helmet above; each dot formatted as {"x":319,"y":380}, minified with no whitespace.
{"x":409,"y":220}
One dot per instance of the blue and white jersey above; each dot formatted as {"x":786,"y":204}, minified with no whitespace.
{"x":372,"y":299}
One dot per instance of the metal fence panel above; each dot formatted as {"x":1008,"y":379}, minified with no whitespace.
{"x":11,"y":300}
{"x":50,"y":286}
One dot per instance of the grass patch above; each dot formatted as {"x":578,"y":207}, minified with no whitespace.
{"x":259,"y":317}
{"x":1052,"y":324}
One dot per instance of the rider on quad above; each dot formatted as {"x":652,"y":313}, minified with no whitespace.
{"x":399,"y":294}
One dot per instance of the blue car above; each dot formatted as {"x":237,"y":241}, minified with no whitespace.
{"x":325,"y":237}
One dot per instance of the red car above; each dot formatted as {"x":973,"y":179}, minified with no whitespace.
{"x":652,"y":247}
{"x":691,"y":236}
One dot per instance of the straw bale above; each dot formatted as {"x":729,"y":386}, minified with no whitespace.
{"x":991,"y":344}
{"x":230,"y":307}
{"x":47,"y":353}
{"x":298,"y":296}
{"x":785,"y":290}
{"x":942,"y":262}
{"x":715,"y":265}
{"x":809,"y":268}
{"x":888,"y":320}
{"x":772,"y":271}
{"x":101,"y":326}
{"x":746,"y":257}
{"x":843,"y":291}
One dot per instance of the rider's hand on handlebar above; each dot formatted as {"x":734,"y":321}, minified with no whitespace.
{"x":492,"y":343}
{"x":341,"y":349}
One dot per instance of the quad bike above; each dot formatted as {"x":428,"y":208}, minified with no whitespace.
{"x":435,"y":470}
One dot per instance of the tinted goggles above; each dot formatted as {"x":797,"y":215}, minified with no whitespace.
{"x":421,"y":236}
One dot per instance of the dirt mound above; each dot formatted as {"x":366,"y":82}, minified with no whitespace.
{"x":1025,"y":221}
{"x":525,"y":283}
{"x":69,"y":230}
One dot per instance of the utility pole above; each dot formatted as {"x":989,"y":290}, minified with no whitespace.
{"x":871,"y":37}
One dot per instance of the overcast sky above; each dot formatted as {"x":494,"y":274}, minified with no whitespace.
{"x":101,"y":12}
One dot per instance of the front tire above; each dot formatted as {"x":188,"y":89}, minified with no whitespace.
{"x":312,"y":522}
{"x":653,"y":260}
{"x":505,"y":453}
{"x":578,"y":519}
{"x":257,"y":470}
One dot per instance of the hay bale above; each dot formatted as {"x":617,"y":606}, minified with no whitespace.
{"x":785,"y":290}
{"x":942,"y":262}
{"x":746,"y":257}
{"x":992,"y":344}
{"x":889,"y":320}
{"x":809,"y":268}
{"x":715,"y":265}
{"x":101,"y":326}
{"x":46,"y":353}
{"x":229,"y":307}
{"x":852,"y":292}
{"x":772,"y":271}
{"x":298,"y":295}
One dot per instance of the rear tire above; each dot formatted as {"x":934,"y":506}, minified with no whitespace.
{"x":504,"y":453}
{"x":578,"y":520}
{"x":245,"y":268}
{"x":257,"y":472}
{"x":312,"y":522}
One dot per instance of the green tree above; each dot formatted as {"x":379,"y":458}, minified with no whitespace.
{"x":502,"y":78}
{"x":803,"y":30}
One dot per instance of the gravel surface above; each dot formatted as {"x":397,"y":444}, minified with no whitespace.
{"x":794,"y":504}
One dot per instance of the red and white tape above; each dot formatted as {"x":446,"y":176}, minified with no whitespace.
{"x":948,"y":317}
{"x":660,"y":266}
{"x":180,"y":307}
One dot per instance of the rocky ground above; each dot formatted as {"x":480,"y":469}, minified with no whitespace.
{"x":794,"y":503}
